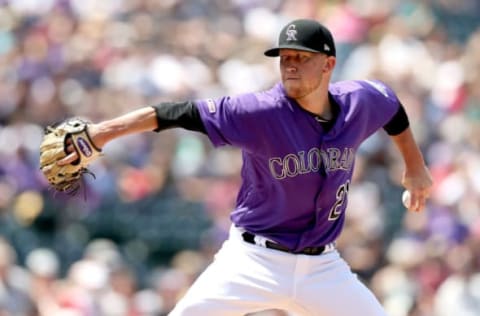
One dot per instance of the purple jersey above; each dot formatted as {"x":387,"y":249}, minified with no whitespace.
{"x":295,"y":175}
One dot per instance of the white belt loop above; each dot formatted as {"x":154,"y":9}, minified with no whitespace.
{"x":329,"y":247}
{"x":261,"y":241}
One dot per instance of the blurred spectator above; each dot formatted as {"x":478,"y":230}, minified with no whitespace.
{"x":44,"y":268}
{"x":14,"y":296}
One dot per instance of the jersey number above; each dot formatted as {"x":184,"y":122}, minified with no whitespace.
{"x":336,"y":210}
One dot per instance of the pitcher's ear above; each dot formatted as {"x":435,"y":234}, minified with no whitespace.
{"x":330,"y":62}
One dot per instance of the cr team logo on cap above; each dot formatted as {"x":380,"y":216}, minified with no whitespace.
{"x":291,"y":32}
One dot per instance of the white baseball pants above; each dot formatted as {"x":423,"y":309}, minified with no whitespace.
{"x":246,"y":278}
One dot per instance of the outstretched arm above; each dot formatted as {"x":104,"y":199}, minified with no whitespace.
{"x":137,"y":121}
{"x":416,"y":177}
{"x":153,"y":118}
{"x":141,"y":120}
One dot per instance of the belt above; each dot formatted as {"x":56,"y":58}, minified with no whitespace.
{"x":312,"y":251}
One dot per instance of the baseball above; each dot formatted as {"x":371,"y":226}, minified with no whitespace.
{"x":406,"y":198}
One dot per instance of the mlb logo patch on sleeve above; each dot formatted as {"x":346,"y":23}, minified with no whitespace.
{"x":212,"y":107}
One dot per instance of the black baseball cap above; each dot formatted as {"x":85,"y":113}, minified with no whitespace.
{"x":304,"y":34}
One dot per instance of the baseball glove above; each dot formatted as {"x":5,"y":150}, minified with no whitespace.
{"x":53,"y":148}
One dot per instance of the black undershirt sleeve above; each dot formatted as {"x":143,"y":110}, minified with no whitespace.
{"x":398,"y":123}
{"x":178,"y":114}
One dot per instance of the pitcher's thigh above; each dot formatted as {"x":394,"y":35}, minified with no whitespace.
{"x":338,"y":292}
{"x":236,"y":283}
{"x":214,"y":295}
{"x":352,"y":298}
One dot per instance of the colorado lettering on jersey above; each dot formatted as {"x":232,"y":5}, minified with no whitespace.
{"x":292,"y":165}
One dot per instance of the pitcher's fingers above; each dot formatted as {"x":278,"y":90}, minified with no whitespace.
{"x":414,"y":201}
{"x":70,"y":148}
{"x":417,"y":206}
{"x":419,"y":203}
{"x":413,"y":205}
{"x":68,"y":159}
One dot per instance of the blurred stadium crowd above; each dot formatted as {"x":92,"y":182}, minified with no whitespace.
{"x":139,"y":234}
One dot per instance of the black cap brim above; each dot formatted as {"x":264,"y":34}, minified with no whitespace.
{"x":275,"y":52}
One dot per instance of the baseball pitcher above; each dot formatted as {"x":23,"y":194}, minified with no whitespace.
{"x":298,"y":141}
